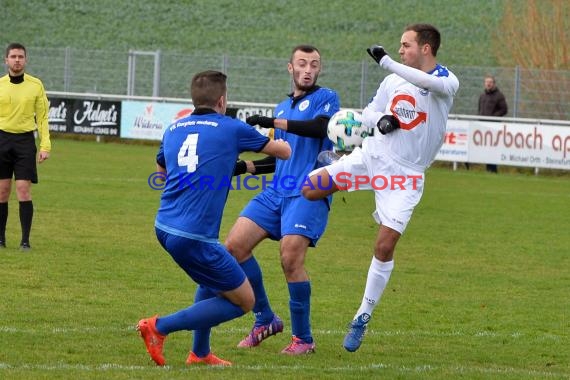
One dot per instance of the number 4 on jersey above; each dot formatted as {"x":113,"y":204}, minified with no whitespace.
{"x":187,"y":154}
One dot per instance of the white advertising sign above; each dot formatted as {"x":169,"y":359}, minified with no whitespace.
{"x":456,"y":142}
{"x":508,"y":143}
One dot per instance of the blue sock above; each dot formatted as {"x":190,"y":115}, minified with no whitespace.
{"x":202,"y":315}
{"x":300,"y":308}
{"x":201,"y":346}
{"x":261,"y":309}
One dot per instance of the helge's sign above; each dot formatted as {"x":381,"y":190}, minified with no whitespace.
{"x":84,"y":116}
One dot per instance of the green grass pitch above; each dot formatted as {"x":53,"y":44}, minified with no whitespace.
{"x":480,"y":288}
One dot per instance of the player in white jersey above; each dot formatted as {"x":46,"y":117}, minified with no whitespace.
{"x":409,"y":115}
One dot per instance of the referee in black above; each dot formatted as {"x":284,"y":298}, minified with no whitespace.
{"x":23,"y":109}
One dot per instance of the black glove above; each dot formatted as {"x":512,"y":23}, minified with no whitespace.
{"x":376,"y":52}
{"x":262,"y":121}
{"x":387,"y":124}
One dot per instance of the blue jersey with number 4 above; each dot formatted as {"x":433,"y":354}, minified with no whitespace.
{"x":199,"y":153}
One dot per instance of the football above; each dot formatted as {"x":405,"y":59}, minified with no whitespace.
{"x":345,"y":130}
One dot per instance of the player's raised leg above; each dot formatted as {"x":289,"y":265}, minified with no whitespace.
{"x":319,"y":185}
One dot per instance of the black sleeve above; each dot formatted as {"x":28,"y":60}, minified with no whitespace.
{"x":316,"y":127}
{"x":240,"y":168}
{"x":265,"y":165}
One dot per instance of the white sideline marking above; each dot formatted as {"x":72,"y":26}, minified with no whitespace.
{"x":414,"y":333}
{"x":426,"y":368}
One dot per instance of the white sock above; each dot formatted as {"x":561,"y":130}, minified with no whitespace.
{"x":378,"y":276}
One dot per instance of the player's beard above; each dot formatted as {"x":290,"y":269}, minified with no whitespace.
{"x":17,"y":70}
{"x":301,"y":86}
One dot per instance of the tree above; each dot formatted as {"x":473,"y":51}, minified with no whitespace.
{"x":535,"y":36}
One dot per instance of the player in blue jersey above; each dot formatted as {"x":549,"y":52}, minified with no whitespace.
{"x":409,"y":113}
{"x":197,"y":156}
{"x":279,"y":212}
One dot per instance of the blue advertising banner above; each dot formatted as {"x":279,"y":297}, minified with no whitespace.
{"x":147,"y":120}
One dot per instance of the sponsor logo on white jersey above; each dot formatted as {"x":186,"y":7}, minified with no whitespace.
{"x":403,"y":106}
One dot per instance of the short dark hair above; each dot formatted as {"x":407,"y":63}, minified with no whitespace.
{"x":427,"y":34}
{"x":304,"y":49}
{"x":15,"y":45}
{"x":207,"y":87}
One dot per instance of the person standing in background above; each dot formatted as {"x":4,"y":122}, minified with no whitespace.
{"x":492,"y":102}
{"x":23,"y":108}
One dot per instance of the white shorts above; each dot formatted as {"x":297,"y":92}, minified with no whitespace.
{"x":397,"y":189}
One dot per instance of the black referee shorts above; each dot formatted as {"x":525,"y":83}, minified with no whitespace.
{"x":18,"y":156}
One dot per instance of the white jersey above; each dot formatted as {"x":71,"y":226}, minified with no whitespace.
{"x":421,"y":101}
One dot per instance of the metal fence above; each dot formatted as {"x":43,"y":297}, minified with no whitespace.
{"x":540,"y":94}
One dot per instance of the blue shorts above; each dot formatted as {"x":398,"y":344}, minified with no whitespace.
{"x":208,"y":264}
{"x":281,"y":216}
